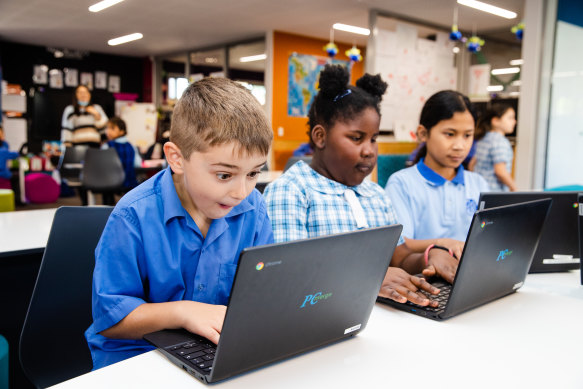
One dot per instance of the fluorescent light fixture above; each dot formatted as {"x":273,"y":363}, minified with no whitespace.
{"x":352,"y":29}
{"x":252,"y":58}
{"x":125,"y":39}
{"x":495,"y":88}
{"x":488,"y":8}
{"x":514,"y":94}
{"x":103,"y":5}
{"x":456,"y":50}
{"x":516,"y":83}
{"x":505,"y":71}
{"x":516,"y":62}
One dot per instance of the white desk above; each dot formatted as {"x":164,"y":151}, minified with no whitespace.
{"x":532,"y":339}
{"x":23,"y":232}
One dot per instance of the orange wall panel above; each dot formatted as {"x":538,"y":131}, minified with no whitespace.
{"x":295,"y":128}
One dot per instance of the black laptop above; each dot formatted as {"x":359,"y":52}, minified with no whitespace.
{"x":288,"y":298}
{"x":495,"y":261}
{"x":558,"y":249}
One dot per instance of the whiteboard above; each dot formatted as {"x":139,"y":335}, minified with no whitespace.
{"x":415,"y":68}
{"x":15,"y":132}
{"x":141,"y":121}
{"x":565,"y":133}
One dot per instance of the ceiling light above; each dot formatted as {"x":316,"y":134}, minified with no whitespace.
{"x":125,"y":39}
{"x":103,"y":5}
{"x":211,"y":60}
{"x":505,"y":71}
{"x":514,"y":94}
{"x":495,"y":88}
{"x":516,"y":83}
{"x":517,"y":62}
{"x":352,"y":29}
{"x":456,"y":50}
{"x":252,"y":58}
{"x":488,"y":8}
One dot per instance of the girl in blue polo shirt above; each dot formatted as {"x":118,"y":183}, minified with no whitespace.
{"x":437,"y":197}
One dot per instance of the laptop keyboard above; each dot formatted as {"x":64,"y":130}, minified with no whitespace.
{"x":199,"y":353}
{"x":441,"y":298}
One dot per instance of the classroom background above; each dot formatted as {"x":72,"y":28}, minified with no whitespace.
{"x":530,"y":60}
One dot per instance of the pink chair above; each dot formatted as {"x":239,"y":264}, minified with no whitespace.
{"x":41,"y":188}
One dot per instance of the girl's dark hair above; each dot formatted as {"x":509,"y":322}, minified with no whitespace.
{"x":339,"y":101}
{"x":119,"y":123}
{"x":76,"y":102}
{"x":442,"y":106}
{"x":496,"y":110}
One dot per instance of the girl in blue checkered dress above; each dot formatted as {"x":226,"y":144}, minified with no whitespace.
{"x":331,"y":195}
{"x":494,"y":153}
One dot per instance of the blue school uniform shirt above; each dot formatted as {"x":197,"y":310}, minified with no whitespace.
{"x":429,"y":206}
{"x":301,"y":204}
{"x":129,"y":157}
{"x":152,"y":251}
{"x":493,"y":148}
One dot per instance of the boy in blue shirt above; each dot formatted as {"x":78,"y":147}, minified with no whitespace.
{"x":169,"y":251}
{"x":116,"y":133}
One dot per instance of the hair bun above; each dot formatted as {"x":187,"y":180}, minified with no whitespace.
{"x":373,"y":85}
{"x":333,"y":80}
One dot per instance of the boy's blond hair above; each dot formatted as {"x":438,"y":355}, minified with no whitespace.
{"x":215,"y":111}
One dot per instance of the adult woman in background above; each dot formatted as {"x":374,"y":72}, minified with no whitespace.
{"x":82,"y":121}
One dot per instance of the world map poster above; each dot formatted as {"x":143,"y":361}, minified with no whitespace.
{"x":304,"y":72}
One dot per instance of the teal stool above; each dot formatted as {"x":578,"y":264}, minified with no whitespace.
{"x":3,"y":363}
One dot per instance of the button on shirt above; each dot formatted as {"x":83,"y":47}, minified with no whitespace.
{"x":152,"y":251}
{"x":303,"y":204}
{"x":493,"y":148}
{"x":430,"y":207}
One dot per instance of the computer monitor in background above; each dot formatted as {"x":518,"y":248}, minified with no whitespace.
{"x":558,"y":249}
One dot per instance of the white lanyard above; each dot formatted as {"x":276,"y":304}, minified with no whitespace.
{"x":356,"y":208}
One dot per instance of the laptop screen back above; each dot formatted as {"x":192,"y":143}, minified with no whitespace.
{"x":291,"y":297}
{"x":558,"y":249}
{"x":499,"y":248}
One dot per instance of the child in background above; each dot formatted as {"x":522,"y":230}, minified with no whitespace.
{"x":331,"y":194}
{"x":5,"y":156}
{"x":130,"y":157}
{"x":494,"y":153}
{"x":169,"y":251}
{"x":437,"y":197}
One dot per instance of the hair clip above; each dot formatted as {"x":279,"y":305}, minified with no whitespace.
{"x":339,"y":96}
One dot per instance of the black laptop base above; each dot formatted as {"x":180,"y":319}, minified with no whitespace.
{"x":195,"y":355}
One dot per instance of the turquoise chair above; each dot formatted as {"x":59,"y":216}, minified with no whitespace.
{"x":3,"y":363}
{"x":388,"y":164}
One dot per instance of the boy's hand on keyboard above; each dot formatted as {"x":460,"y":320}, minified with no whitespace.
{"x":400,"y":286}
{"x":205,"y":320}
{"x":441,"y":264}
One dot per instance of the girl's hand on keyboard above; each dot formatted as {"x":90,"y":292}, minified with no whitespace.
{"x":401,"y":287}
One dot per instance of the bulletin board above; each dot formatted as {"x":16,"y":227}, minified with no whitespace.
{"x":415,"y":68}
{"x":141,"y":121}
